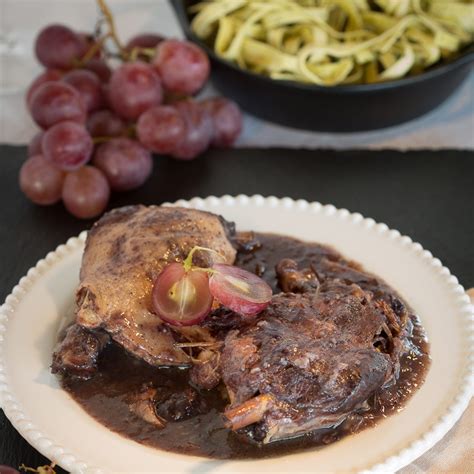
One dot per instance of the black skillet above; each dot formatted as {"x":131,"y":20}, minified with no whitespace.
{"x":347,"y":108}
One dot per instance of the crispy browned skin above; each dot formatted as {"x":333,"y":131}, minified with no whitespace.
{"x":77,"y":353}
{"x":125,"y":252}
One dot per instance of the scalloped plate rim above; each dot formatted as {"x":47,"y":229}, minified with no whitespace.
{"x":405,"y":456}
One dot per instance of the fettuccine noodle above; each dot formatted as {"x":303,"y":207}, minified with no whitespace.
{"x":331,"y":42}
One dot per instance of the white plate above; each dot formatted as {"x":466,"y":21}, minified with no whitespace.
{"x":55,"y":425}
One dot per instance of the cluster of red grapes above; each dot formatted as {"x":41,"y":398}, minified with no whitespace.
{"x":100,"y":126}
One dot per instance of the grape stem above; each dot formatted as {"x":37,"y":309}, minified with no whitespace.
{"x":112,"y":30}
{"x":188,"y":263}
{"x":129,"y":132}
{"x":198,"y":344}
{"x":93,"y":49}
{"x":99,"y":140}
{"x":149,"y":52}
{"x":49,"y":469}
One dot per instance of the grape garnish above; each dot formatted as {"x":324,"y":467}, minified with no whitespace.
{"x":180,"y":297}
{"x":239,"y":290}
{"x":183,"y":294}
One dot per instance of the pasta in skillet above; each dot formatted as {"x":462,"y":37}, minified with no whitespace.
{"x":331,"y":42}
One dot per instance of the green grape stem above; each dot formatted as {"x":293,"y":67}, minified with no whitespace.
{"x":99,"y":140}
{"x":188,"y":262}
{"x":48,"y":469}
{"x":135,"y":52}
{"x":109,"y":19}
{"x":97,"y":46}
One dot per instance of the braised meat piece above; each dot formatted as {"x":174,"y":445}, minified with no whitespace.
{"x":143,"y":404}
{"x":125,"y":252}
{"x":306,"y":362}
{"x":205,"y":372}
{"x":179,"y":406}
{"x":292,"y":280}
{"x":77,"y":353}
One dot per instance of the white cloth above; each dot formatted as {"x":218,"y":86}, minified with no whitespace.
{"x":449,"y":126}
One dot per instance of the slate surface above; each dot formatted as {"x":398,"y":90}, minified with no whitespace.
{"x":428,"y":195}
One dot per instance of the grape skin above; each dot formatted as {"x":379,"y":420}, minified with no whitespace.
{"x":35,"y":146}
{"x":86,"y":192}
{"x":55,"y":102}
{"x":161,"y":128}
{"x":68,"y":145}
{"x":227,"y":120}
{"x":57,"y":46}
{"x":248,"y":302}
{"x":105,"y":123}
{"x":100,"y":68}
{"x":183,"y":66}
{"x":133,"y":88}
{"x":41,"y":181}
{"x":61,"y":97}
{"x":192,"y":300}
{"x":199,"y":130}
{"x":88,"y":86}
{"x":49,"y":75}
{"x":125,"y":163}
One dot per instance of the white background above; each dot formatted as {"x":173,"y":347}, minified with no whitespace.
{"x":449,"y":126}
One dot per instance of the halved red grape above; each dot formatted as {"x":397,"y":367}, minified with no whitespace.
{"x":55,"y":102}
{"x":181,"y":298}
{"x":161,"y":128}
{"x":68,"y":145}
{"x":36,"y":144}
{"x":100,"y":68}
{"x":182,"y":66}
{"x":88,"y":86}
{"x":125,"y":163}
{"x":41,"y":181}
{"x":105,"y":123}
{"x":133,"y":88}
{"x":57,"y":46}
{"x":50,"y":75}
{"x":199,"y":130}
{"x":227,"y":120}
{"x":86,"y":192}
{"x":239,"y":290}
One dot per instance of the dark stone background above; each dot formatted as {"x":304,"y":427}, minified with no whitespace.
{"x":428,"y":195}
